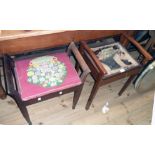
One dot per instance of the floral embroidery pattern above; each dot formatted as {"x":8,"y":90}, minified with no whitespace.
{"x":46,"y":71}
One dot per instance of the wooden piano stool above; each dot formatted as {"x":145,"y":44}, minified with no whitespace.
{"x":26,"y":89}
{"x":105,"y":69}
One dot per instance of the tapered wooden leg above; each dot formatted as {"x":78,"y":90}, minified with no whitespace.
{"x":126,"y":85}
{"x":25,"y":114}
{"x":93,"y":94}
{"x":77,"y":94}
{"x":22,"y":108}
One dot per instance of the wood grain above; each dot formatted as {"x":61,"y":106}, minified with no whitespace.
{"x":21,"y":43}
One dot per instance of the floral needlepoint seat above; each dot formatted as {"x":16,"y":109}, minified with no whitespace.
{"x":44,"y":75}
{"x":31,"y":79}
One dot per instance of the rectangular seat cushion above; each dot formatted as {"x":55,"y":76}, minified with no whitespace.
{"x":39,"y":76}
{"x":115,"y":58}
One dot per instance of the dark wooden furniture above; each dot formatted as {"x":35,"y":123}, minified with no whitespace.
{"x":14,"y":42}
{"x":13,"y":88}
{"x":22,"y":42}
{"x":98,"y":72}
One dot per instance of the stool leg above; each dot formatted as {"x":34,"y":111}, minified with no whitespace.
{"x":76,"y":97}
{"x":22,"y":108}
{"x":126,"y":85}
{"x":25,"y":113}
{"x":93,"y":94}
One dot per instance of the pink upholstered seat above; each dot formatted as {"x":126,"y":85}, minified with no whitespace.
{"x":29,"y":91}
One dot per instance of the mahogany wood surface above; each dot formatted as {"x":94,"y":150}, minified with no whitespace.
{"x":14,"y":44}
